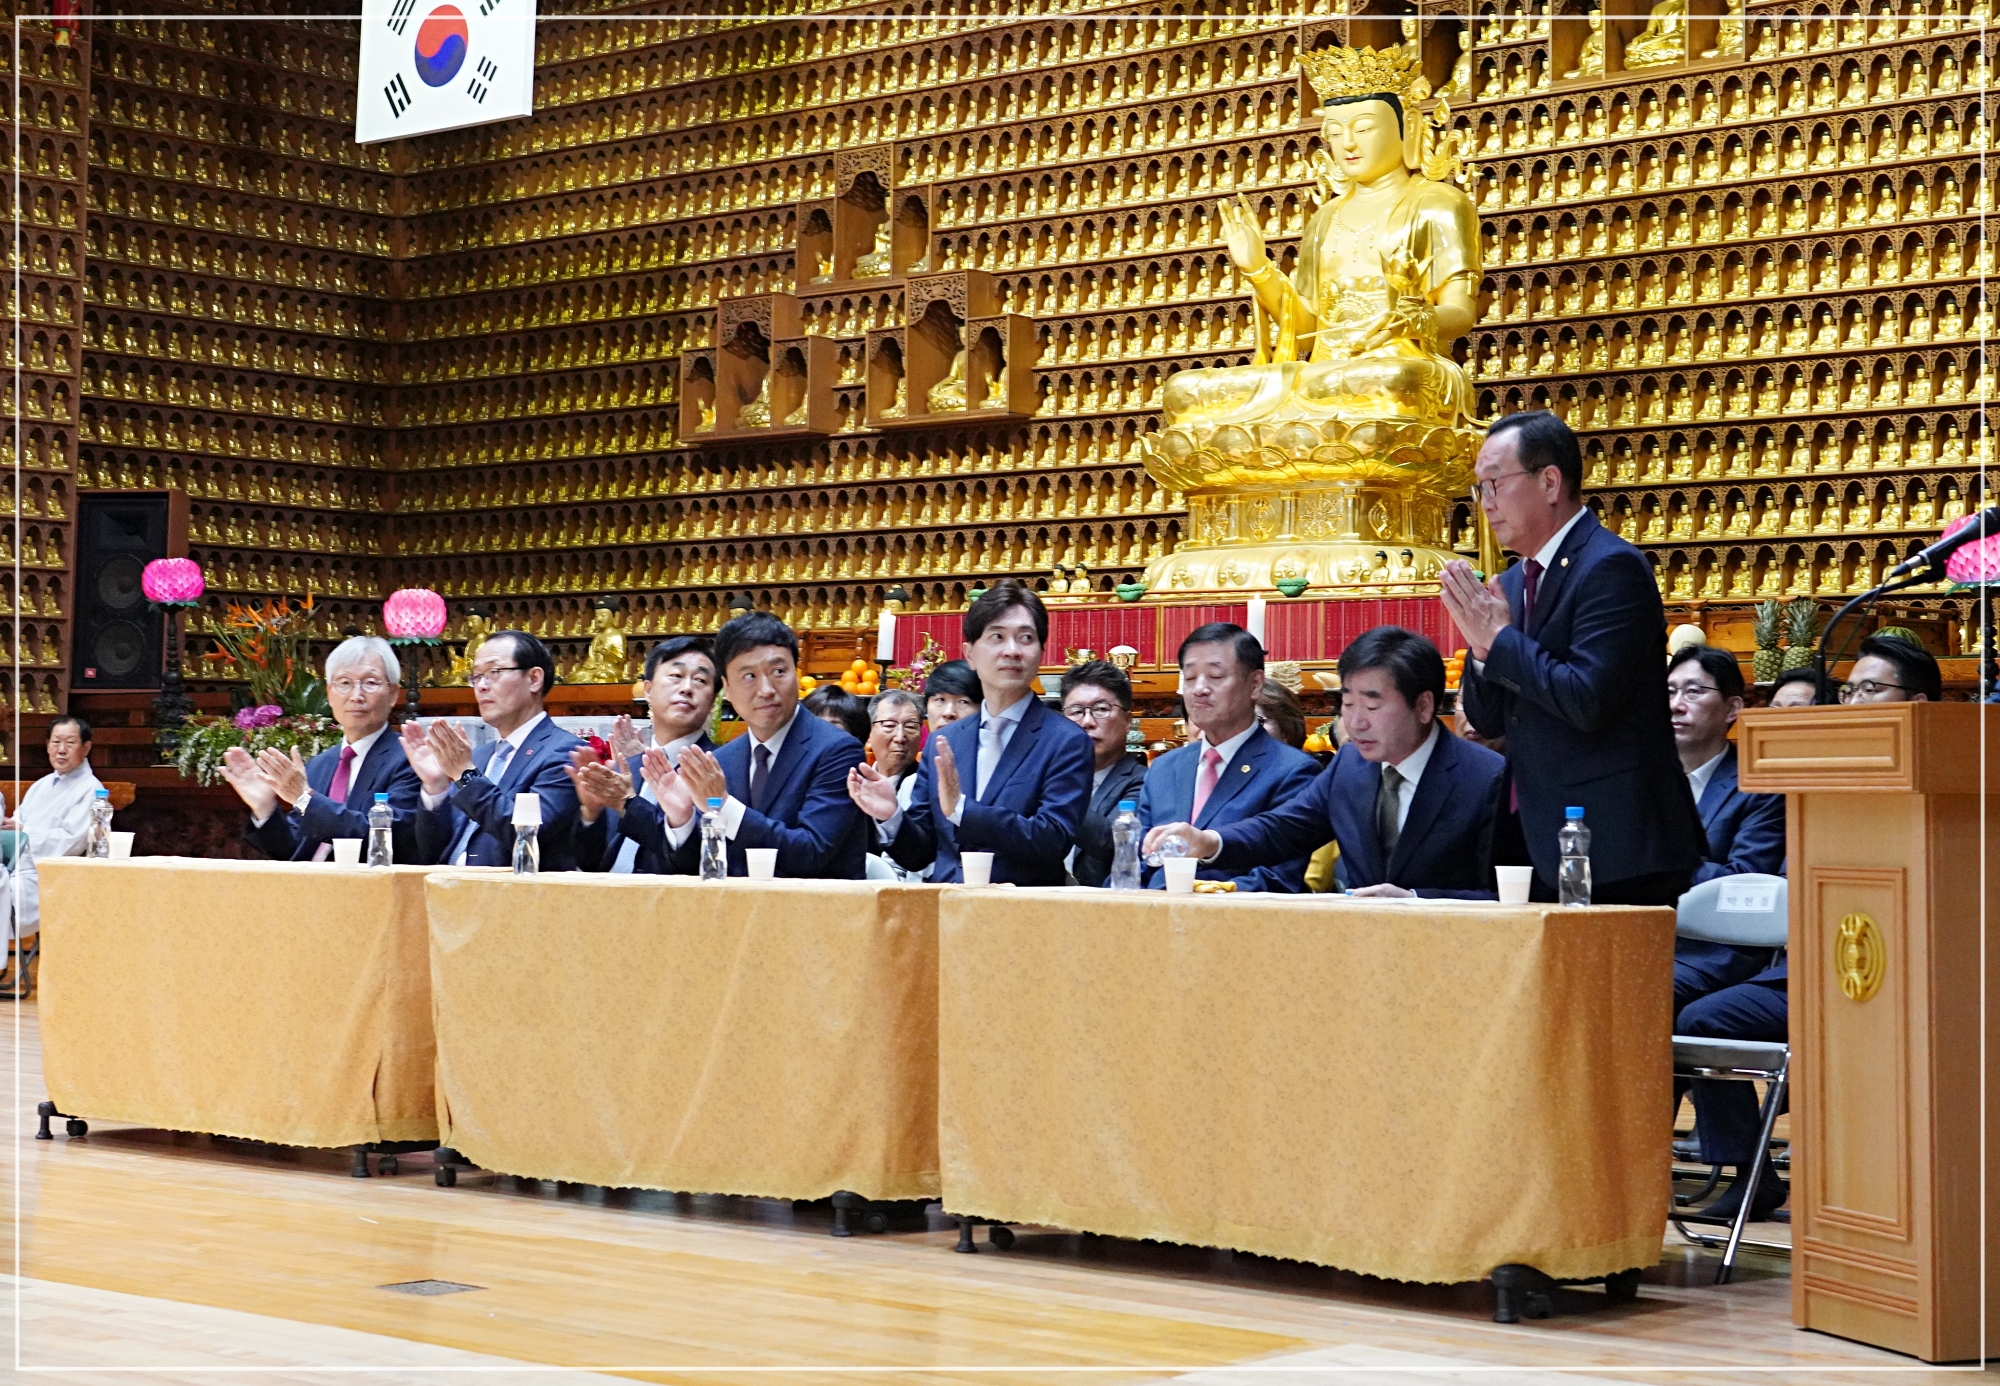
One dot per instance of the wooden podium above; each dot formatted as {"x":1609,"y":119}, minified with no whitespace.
{"x":1883,"y":825}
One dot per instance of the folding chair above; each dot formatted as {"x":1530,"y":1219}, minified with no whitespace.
{"x":1745,"y":911}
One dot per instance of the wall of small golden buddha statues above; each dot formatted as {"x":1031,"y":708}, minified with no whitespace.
{"x":809,"y":307}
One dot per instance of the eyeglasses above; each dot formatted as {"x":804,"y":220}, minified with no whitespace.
{"x":347,"y":688}
{"x":1092,"y":712}
{"x":890,"y":728}
{"x":1486,"y":490}
{"x":486,"y":676}
{"x":1868,"y":690}
{"x":1690,"y":692}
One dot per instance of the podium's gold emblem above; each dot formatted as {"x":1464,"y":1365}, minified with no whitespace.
{"x":1859,"y":957}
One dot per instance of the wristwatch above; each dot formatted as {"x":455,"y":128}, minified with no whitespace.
{"x":471,"y":774}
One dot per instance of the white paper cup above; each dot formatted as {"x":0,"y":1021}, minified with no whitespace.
{"x":1180,"y":874}
{"x":1514,"y":883}
{"x":761,"y":863}
{"x":977,"y":866}
{"x":121,"y":845}
{"x":347,"y":851}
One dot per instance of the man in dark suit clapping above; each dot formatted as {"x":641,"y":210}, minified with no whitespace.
{"x":1410,"y":804}
{"x":620,"y":827}
{"x":1566,"y":654}
{"x":1098,"y":697}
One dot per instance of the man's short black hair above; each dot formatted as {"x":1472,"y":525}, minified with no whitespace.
{"x":529,"y":653}
{"x":953,"y":679}
{"x":834,"y":703}
{"x":1098,"y":673}
{"x":674,"y":647}
{"x":1822,"y":686}
{"x":997,"y":600}
{"x":1915,"y":665}
{"x":1414,"y":664}
{"x":1720,"y":666}
{"x":82,"y":727}
{"x":754,"y":630}
{"x":1248,"y":650}
{"x":1542,"y":439}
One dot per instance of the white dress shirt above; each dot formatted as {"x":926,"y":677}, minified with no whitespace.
{"x":55,"y":817}
{"x":361,"y":750}
{"x":1411,"y":768}
{"x":513,"y":740}
{"x":1699,"y":777}
{"x":1002,"y":725}
{"x":1546,"y":556}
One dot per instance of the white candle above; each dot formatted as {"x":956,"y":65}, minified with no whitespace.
{"x":1256,"y":623}
{"x":885,"y":638}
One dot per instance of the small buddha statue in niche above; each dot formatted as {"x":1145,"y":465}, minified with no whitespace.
{"x":876,"y":263}
{"x":1922,"y":512}
{"x":1954,"y":504}
{"x":706,"y":411}
{"x":1664,"y":39}
{"x":757,"y":413}
{"x":1589,"y":58}
{"x":899,"y":406}
{"x":949,"y":394}
{"x":1739,"y":519}
{"x":1890,"y":517}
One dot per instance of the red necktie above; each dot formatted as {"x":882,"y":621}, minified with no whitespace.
{"x":1204,"y":784}
{"x":338,"y":790}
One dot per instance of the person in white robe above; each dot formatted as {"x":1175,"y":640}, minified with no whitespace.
{"x":53,"y":817}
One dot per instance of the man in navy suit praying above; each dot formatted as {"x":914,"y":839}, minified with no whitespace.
{"x":1013,"y":779}
{"x":298,"y":808}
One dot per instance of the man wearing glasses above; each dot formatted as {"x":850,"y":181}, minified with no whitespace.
{"x":1565,"y":663}
{"x":330,"y":795}
{"x":1098,"y":697}
{"x":466,"y":815}
{"x":1892,"y":670}
{"x":895,"y":739}
{"x":620,"y":827}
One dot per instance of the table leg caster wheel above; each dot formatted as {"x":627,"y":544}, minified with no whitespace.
{"x":1623,"y":1287}
{"x":1539,"y":1305}
{"x":359,"y":1169}
{"x":876,"y":1221}
{"x":1000,"y":1237}
{"x":446,"y":1176}
{"x":77,"y":1127}
{"x":387,"y":1165}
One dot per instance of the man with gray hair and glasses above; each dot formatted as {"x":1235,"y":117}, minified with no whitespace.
{"x":298,"y":807}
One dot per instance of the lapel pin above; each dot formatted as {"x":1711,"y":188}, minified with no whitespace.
{"x":1246,"y":769}
{"x":1565,"y":563}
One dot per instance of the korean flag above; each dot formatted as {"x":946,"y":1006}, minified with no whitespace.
{"x":440,"y":64}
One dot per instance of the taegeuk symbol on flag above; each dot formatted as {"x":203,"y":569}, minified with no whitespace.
{"x":441,"y":64}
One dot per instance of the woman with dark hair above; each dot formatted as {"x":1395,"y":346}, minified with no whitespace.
{"x":1279,"y":713}
{"x":838,"y":708}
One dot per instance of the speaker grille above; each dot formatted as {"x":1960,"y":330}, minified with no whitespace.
{"x":119,"y":649}
{"x":119,"y":583}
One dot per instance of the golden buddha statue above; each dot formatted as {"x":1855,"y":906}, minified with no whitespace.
{"x":605,"y":661}
{"x":1367,"y":438}
{"x":1664,"y":39}
{"x":1590,"y":58}
{"x":477,"y":628}
{"x":948,"y":395}
{"x":876,"y":263}
{"x":757,"y":413}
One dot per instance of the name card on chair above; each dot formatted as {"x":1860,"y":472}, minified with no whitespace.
{"x":1748,"y":897}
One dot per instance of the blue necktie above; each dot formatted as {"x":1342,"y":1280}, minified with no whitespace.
{"x":496,"y":768}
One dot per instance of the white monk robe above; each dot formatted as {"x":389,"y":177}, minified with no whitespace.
{"x":54,"y":816}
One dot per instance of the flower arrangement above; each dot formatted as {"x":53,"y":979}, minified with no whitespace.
{"x":912,"y":676}
{"x":268,"y":645}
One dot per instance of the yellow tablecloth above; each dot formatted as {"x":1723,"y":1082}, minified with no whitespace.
{"x":276,"y":1001}
{"x":773,"y":1038}
{"x":1421,"y":1091}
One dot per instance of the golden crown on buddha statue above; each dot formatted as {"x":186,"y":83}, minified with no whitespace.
{"x":1339,"y":74}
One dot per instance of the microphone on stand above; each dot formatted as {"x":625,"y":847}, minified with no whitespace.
{"x":1984,"y":525}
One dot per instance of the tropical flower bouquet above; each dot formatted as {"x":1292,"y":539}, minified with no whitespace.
{"x":269,"y":645}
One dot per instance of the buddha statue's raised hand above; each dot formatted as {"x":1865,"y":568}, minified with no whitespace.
{"x":1242,"y":237}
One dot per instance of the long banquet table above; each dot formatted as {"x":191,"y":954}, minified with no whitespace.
{"x":273,"y":1001}
{"x":1422,"y":1091}
{"x":776,"y":1039}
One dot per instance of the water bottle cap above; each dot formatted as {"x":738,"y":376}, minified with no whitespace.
{"x":715,"y":803}
{"x":1128,"y":805}
{"x":1572,"y":813}
{"x":103,"y":793}
{"x":381,"y":798}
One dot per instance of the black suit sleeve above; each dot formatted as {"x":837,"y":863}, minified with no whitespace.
{"x":1612,"y":634}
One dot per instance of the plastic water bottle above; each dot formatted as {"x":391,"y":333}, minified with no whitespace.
{"x":97,"y":837}
{"x":714,"y":844}
{"x":1573,"y":887}
{"x":1124,"y":847}
{"x":1172,"y":845}
{"x":381,"y":827}
{"x":527,"y":827}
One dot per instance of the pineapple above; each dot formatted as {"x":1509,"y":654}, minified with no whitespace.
{"x":1801,"y":629}
{"x":1769,"y":661}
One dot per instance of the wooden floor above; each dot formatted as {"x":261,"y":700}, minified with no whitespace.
{"x":146,"y":1256}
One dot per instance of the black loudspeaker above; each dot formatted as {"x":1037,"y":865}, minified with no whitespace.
{"x":118,"y":633}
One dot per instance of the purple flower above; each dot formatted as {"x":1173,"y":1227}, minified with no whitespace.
{"x":252,"y":718}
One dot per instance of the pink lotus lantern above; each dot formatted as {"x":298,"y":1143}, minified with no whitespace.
{"x":414,"y":613}
{"x":172,"y":581}
{"x":1976,"y":562}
